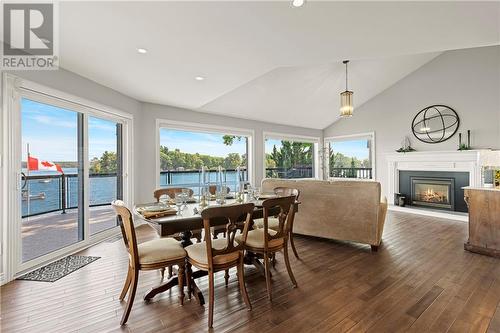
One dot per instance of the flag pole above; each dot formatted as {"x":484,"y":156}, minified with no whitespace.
{"x":27,"y":177}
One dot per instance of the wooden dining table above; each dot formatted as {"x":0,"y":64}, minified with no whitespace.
{"x":185,"y":222}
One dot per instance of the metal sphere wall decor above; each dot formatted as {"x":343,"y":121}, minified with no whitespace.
{"x":435,"y":124}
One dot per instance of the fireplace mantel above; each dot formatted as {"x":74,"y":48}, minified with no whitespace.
{"x":470,"y":161}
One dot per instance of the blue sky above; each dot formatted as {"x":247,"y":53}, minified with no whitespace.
{"x":355,"y":148}
{"x":197,"y":142}
{"x":52,"y":133}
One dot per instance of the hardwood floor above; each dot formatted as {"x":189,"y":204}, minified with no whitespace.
{"x":420,"y":280}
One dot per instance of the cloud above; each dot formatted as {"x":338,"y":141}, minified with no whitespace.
{"x":52,"y":121}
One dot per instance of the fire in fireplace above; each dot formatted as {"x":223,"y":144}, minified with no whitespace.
{"x":432,"y":192}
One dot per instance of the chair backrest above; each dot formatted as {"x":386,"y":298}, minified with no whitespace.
{"x":285,"y":216}
{"x":170,"y":191}
{"x":213,"y":188}
{"x":287,"y":191}
{"x":232,"y":215}
{"x":128,"y":231}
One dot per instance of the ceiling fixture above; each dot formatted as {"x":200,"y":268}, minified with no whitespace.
{"x":142,"y":51}
{"x":346,"y":106}
{"x":298,"y":3}
{"x":199,"y":78}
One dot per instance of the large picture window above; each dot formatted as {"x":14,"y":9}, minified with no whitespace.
{"x":288,"y":157}
{"x":184,"y":151}
{"x":351,"y":156}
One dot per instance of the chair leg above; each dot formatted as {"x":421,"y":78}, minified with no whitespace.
{"x":188,"y":279}
{"x":211,"y":288}
{"x":162,"y":272}
{"x":293,"y":246}
{"x":131,"y":296}
{"x":287,"y":263}
{"x":241,"y":281}
{"x":180,"y":277}
{"x":169,"y":272}
{"x":127,"y":284}
{"x":268,"y":275}
{"x":226,"y":277}
{"x":274,"y":260}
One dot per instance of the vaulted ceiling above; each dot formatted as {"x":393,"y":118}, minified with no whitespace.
{"x":264,"y":60}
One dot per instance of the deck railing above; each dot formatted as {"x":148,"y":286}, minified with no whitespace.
{"x":361,"y":173}
{"x":288,"y":173}
{"x":43,"y":194}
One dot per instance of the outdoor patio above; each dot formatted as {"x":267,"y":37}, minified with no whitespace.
{"x":45,"y":233}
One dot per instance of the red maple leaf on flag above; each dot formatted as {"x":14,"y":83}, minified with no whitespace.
{"x":47,"y":164}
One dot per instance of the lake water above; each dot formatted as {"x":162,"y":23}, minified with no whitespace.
{"x":102,"y":189}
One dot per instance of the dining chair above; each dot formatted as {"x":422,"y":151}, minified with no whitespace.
{"x":273,"y":222}
{"x":171,"y":191}
{"x":212,"y":189}
{"x":151,"y":255}
{"x":267,"y":242}
{"x":214,"y":255}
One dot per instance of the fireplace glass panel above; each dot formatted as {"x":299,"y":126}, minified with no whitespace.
{"x":432,"y":193}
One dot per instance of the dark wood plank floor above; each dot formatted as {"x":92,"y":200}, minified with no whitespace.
{"x":421,"y":280}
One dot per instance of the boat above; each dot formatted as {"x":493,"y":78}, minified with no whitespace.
{"x":39,"y":196}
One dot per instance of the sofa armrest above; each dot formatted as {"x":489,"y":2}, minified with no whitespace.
{"x":382,"y":212}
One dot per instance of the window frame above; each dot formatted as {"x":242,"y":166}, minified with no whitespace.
{"x":351,"y":137}
{"x":15,"y":89}
{"x":291,"y":137}
{"x":209,"y":129}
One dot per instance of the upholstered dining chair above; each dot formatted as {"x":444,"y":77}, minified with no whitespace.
{"x":214,"y":255}
{"x":273,"y":222}
{"x":151,"y":255}
{"x":267,"y":242}
{"x":171,"y":191}
{"x":212,"y":189}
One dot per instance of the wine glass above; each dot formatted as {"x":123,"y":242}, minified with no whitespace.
{"x":185,"y":195}
{"x":179,"y":201}
{"x":256,"y":193}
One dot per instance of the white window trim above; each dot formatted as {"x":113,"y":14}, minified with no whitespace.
{"x":15,"y":88}
{"x":206,"y":128}
{"x":348,"y":137}
{"x":292,"y":137}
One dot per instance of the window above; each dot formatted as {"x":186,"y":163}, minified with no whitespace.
{"x":351,"y":156}
{"x":289,"y":157}
{"x":185,"y":149}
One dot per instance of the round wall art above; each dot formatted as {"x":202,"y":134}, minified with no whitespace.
{"x":435,"y":124}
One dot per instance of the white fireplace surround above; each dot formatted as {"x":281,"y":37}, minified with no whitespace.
{"x":470,"y":161}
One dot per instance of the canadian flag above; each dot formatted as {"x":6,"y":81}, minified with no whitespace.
{"x":34,"y":164}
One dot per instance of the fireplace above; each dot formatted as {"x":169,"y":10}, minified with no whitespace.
{"x":434,"y":189}
{"x":433,"y":192}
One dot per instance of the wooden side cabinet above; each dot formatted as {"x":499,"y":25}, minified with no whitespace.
{"x":484,"y":220}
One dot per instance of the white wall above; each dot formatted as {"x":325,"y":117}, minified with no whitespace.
{"x":466,"y":80}
{"x":146,"y":173}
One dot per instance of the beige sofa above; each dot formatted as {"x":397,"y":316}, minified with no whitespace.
{"x":342,"y":210}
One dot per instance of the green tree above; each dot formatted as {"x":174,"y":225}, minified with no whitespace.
{"x":104,"y":164}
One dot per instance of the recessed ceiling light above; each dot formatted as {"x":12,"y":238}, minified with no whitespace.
{"x":199,"y":78}
{"x":142,"y":51}
{"x":298,"y":3}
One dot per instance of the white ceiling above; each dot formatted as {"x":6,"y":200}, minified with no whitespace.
{"x":264,"y":60}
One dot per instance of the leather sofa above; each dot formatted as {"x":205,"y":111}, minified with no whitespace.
{"x":341,"y":210}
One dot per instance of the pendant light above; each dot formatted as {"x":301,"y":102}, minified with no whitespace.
{"x":346,"y":105}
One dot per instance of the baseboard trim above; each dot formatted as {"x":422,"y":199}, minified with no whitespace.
{"x":463,"y":217}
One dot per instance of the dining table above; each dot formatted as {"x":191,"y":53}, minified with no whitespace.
{"x":188,"y":219}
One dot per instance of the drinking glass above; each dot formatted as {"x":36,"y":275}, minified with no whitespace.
{"x":185,"y":195}
{"x":256,"y":193}
{"x":179,"y":201}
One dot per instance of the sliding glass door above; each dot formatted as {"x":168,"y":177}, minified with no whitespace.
{"x":105,"y":172}
{"x":72,"y":167}
{"x":51,"y":190}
